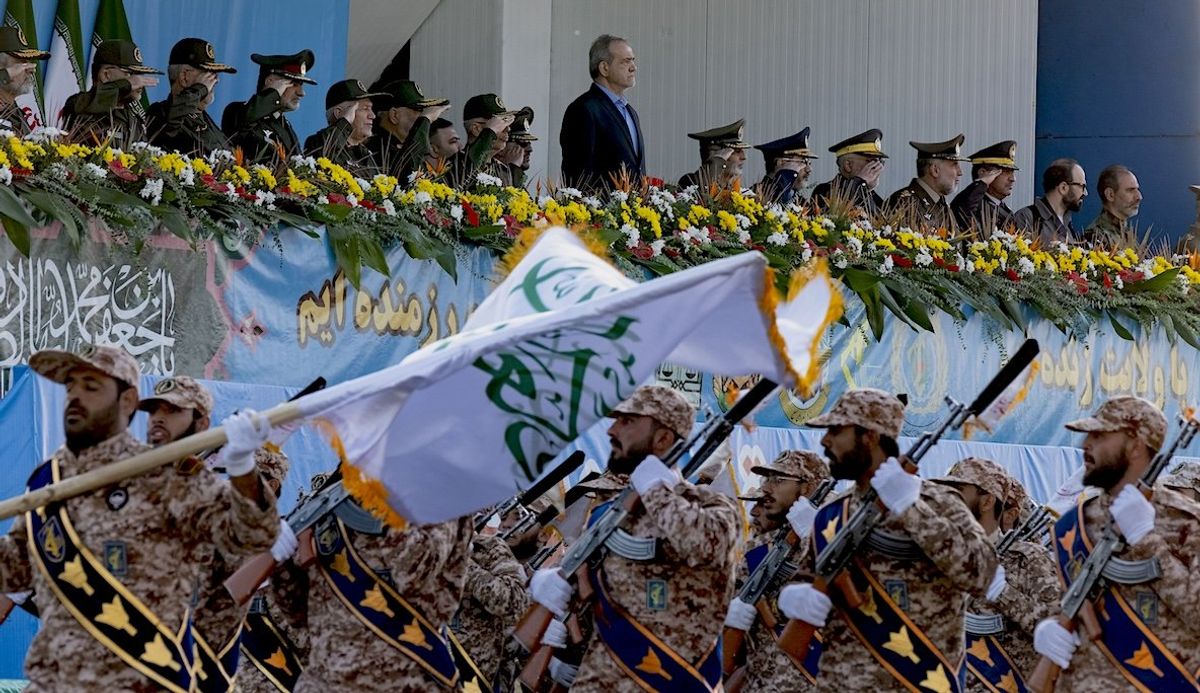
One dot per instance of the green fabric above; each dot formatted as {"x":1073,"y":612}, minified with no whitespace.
{"x":111,"y":23}
{"x":19,"y":13}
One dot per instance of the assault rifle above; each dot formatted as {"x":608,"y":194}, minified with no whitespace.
{"x":831,"y":563}
{"x":764,"y":578}
{"x":590,"y":544}
{"x":537,"y":490}
{"x":1031,"y":527}
{"x":1078,"y":602}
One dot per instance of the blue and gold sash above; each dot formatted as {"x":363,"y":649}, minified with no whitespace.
{"x":377,"y":605}
{"x":991,"y":665}
{"x":269,"y":649}
{"x":1128,"y":642}
{"x":891,"y":637}
{"x":809,"y":668}
{"x":215,"y":670}
{"x":104,"y":607}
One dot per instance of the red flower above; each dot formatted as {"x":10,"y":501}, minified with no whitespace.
{"x":120,"y":171}
{"x":1012,"y":275}
{"x":1128,"y":276}
{"x":368,"y":204}
{"x":670,"y":252}
{"x":759,"y":248}
{"x":1081,"y":285}
{"x":655,"y":182}
{"x":472,"y":215}
{"x":1108,"y":283}
{"x":643,"y":251}
{"x":901,"y":261}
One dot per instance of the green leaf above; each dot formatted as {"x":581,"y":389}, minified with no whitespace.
{"x":1012,"y":309}
{"x":18,"y":234}
{"x":478,"y":232}
{"x":334,"y":212}
{"x":1120,"y":329}
{"x":174,"y":221}
{"x":917,"y":312}
{"x":859,"y":280}
{"x":1158,"y":282}
{"x":110,"y":196}
{"x":911,"y":310}
{"x":889,"y":301}
{"x":345,"y":252}
{"x":447,"y":261}
{"x":1186,"y":333}
{"x":373,"y":256}
{"x":11,"y":207}
{"x":874,"y":305}
{"x":58,"y":209}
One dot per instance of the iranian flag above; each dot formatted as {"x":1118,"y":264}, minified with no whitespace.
{"x":65,"y":72}
{"x":19,"y":13}
{"x":474,"y":418}
{"x":111,"y":23}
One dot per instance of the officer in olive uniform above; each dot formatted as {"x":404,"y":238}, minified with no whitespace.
{"x":109,"y":112}
{"x":981,"y":204}
{"x":487,"y":121}
{"x":344,"y":140}
{"x":18,"y":68}
{"x":722,"y":156}
{"x":923,"y":201}
{"x":860,"y":162}
{"x":789,"y":164}
{"x":402,"y":126}
{"x":181,"y":121}
{"x":260,"y":125}
{"x":520,"y":147}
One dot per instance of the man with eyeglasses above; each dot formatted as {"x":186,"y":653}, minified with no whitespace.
{"x":1064,"y":187}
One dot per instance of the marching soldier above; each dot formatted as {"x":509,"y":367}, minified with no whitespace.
{"x":789,"y":479}
{"x":494,"y":598}
{"x":789,"y":164}
{"x":923,"y":201}
{"x":1000,"y":629}
{"x":1185,"y":479}
{"x":860,"y":162}
{"x":661,"y":589}
{"x":260,"y":125}
{"x":913,"y":573}
{"x":344,"y":140}
{"x":981,"y":204}
{"x":181,"y":121}
{"x":1148,"y":611}
{"x":18,"y":73}
{"x":115,"y":568}
{"x":761,"y":524}
{"x":722,"y":156}
{"x":376,"y":605}
{"x":109,"y":112}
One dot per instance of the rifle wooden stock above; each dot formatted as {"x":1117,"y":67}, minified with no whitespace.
{"x":535,"y":673}
{"x":736,"y":682}
{"x":797,"y":635}
{"x":532,"y":627}
{"x":245,"y":581}
{"x":306,"y":552}
{"x":1045,"y":675}
{"x":732,"y":642}
{"x":6,"y":607}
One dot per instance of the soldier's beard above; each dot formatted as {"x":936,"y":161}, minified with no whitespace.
{"x":1102,"y":473}
{"x":156,"y":441}
{"x":849,"y":465}
{"x":91,"y":427}
{"x":627,"y":462}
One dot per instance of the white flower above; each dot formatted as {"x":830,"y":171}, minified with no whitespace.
{"x":700,"y":235}
{"x":352,"y":200}
{"x":828,"y":223}
{"x":187,"y":176}
{"x":456,"y":213}
{"x":923,"y":258}
{"x":569,"y":192}
{"x":5,"y":175}
{"x":840,"y":261}
{"x":94,"y":171}
{"x":322,"y":199}
{"x":264,"y":198}
{"x":866,"y":225}
{"x":656,"y":247}
{"x":152,"y":190}
{"x":1118,"y":282}
{"x":806,"y":255}
{"x":619,"y":196}
{"x":970,"y":267}
{"x":389,"y":208}
{"x":147,"y":147}
{"x":422,"y":198}
{"x":364,"y":184}
{"x":855,"y":244}
{"x":742,"y":220}
{"x":412,"y":177}
{"x":777,"y":238}
{"x":544,"y":200}
{"x":743,"y":236}
{"x":5,"y":133}
{"x":482,"y":178}
{"x":231,"y":192}
{"x":591,"y":202}
{"x":1025,"y":267}
{"x":58,"y":170}
{"x":43,"y":134}
{"x":218,"y":155}
{"x":632,"y":236}
{"x":885,"y":267}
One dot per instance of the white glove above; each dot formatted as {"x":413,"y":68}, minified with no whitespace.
{"x":804,"y":602}
{"x":18,"y":597}
{"x":285,"y":544}
{"x":555,"y":635}
{"x":800,"y":516}
{"x":551,"y":590}
{"x":1133,"y":513}
{"x":562,"y":672}
{"x":650,"y":474}
{"x":999,"y":582}
{"x":1053,"y":641}
{"x":246,"y":431}
{"x":740,"y":615}
{"x":896,"y":488}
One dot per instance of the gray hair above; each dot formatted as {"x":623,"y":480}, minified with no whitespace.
{"x":174,"y":72}
{"x":334,"y":112}
{"x":601,"y":52}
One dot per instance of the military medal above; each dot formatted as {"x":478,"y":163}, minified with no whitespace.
{"x":656,"y":595}
{"x":117,"y":498}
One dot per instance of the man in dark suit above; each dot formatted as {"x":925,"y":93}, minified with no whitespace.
{"x":601,"y":136}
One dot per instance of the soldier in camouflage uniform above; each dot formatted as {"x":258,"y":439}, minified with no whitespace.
{"x":494,"y":598}
{"x":926,"y":556}
{"x":1122,"y":437}
{"x":156,"y":534}
{"x":1185,"y":478}
{"x":789,"y":479}
{"x":1033,"y":588}
{"x":677,"y":586}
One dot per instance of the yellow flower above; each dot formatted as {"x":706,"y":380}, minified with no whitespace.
{"x":651,"y":217}
{"x":201,"y":167}
{"x":301,"y":188}
{"x":384,"y":184}
{"x":340,"y":176}
{"x":727,"y":222}
{"x":266,"y":177}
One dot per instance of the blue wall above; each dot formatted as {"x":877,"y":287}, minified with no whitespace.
{"x":236,"y":28}
{"x":1119,"y":82}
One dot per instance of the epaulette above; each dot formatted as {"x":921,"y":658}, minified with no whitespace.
{"x":189,"y":465}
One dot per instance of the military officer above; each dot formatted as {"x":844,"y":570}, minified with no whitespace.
{"x":516,"y":154}
{"x":181,"y":121}
{"x":860,"y":162}
{"x":661,"y":597}
{"x":789,"y":164}
{"x":487,"y":121}
{"x":494,"y":598}
{"x":913,"y":573}
{"x":260,"y":125}
{"x":1148,"y":617}
{"x":109,"y":112}
{"x":1000,"y":628}
{"x":722,"y":156}
{"x":403,"y":127}
{"x":115,"y":569}
{"x":923,"y":201}
{"x":789,"y":479}
{"x":18,"y":73}
{"x":349,"y":114}
{"x":981,"y":204}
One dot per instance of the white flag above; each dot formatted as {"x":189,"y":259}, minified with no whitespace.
{"x":474,"y":418}
{"x":64,"y":72}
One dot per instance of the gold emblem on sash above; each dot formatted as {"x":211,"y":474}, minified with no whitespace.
{"x":869,"y":607}
{"x":1144,"y":660}
{"x":935,"y":680}
{"x":651,"y":664}
{"x":830,"y":530}
{"x":901,"y":644}
{"x":157,"y":653}
{"x":374,"y":601}
{"x":342,"y":565}
{"x":51,"y":538}
{"x":414,"y":635}
{"x":113,"y":615}
{"x":1008,"y":683}
{"x":278,"y":660}
{"x":74,"y":575}
{"x":981,"y":652}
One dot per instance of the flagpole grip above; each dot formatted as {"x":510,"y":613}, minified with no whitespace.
{"x":133,"y":466}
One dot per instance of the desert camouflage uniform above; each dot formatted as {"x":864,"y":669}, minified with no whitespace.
{"x":428,"y":567}
{"x":698,"y":530}
{"x":170,"y":521}
{"x":494,"y":598}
